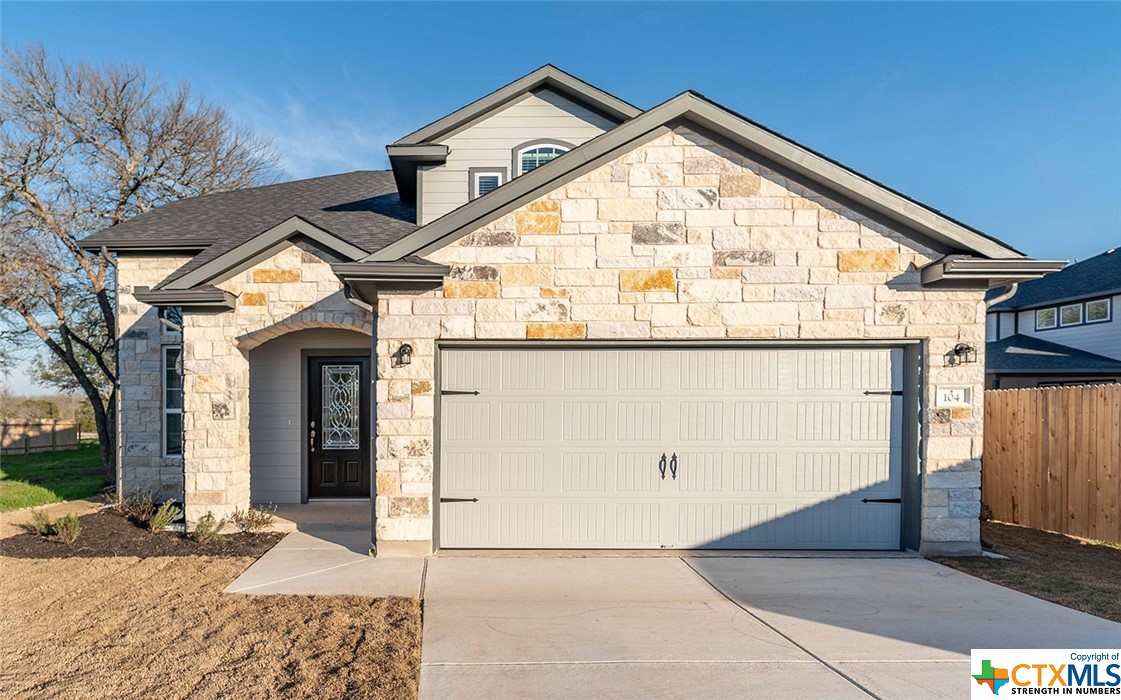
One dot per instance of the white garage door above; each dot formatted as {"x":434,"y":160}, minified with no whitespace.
{"x":652,"y":448}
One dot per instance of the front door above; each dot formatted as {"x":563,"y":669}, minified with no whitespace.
{"x":338,"y":427}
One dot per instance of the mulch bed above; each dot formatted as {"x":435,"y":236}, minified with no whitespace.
{"x":106,"y":534}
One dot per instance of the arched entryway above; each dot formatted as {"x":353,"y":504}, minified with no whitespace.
{"x":298,"y":380}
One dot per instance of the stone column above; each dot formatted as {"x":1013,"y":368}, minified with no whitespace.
{"x":215,"y":418}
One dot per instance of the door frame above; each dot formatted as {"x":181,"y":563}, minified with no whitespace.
{"x":913,"y":404}
{"x":305,"y":467}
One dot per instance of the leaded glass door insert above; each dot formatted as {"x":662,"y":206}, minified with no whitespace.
{"x":338,"y":431}
{"x":341,"y":407}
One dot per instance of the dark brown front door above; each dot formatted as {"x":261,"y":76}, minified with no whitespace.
{"x":338,"y":427}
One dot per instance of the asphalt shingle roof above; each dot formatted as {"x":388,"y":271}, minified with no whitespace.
{"x":361,"y":208}
{"x":1094,"y":276}
{"x":1026,"y":354}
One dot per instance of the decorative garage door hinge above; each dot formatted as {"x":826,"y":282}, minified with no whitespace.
{"x":898,"y":392}
{"x":458,"y":392}
{"x":459,"y":500}
{"x":881,"y":500}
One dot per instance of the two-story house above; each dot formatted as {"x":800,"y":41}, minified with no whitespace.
{"x":562,"y":321}
{"x":1059,"y":330}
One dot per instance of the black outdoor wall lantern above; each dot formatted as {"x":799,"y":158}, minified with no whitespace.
{"x":404,"y":355}
{"x":963,"y":354}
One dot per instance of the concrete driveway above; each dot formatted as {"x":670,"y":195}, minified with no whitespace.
{"x":722,"y":626}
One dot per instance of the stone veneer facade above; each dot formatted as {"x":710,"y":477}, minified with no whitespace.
{"x":684,"y":239}
{"x":680,"y":239}
{"x":293,"y":290}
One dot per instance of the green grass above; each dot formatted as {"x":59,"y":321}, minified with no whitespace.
{"x":49,"y":477}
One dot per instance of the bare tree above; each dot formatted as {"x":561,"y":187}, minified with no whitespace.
{"x":82,"y":148}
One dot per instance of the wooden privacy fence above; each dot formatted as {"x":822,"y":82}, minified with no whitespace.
{"x":1052,"y":459}
{"x":20,"y":437}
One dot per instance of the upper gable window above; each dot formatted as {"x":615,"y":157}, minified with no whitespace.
{"x":486,"y":181}
{"x":538,"y":155}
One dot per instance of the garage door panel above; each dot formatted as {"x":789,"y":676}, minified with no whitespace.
{"x":638,"y":524}
{"x":755,"y":472}
{"x":755,"y":421}
{"x":639,"y":421}
{"x":464,"y":473}
{"x":521,"y":421}
{"x":639,"y":472}
{"x":584,"y":421}
{"x":584,"y":472}
{"x":586,"y":372}
{"x":521,"y":473}
{"x":700,"y":472}
{"x":775,"y":448}
{"x":639,"y":371}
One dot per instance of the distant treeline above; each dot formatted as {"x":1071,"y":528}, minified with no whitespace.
{"x":57,"y":407}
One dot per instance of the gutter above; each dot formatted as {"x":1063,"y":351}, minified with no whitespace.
{"x":137,"y":246}
{"x":212,"y":298}
{"x":970,"y":272}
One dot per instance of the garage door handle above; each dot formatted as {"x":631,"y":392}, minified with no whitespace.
{"x":662,"y":466}
{"x":881,"y":500}
{"x":673,"y":465}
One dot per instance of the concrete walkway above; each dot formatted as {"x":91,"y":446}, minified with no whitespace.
{"x":329,"y":555}
{"x":721,"y":627}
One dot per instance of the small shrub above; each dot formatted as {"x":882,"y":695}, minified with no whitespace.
{"x":254,"y":520}
{"x":42,"y":523}
{"x":68,"y":528}
{"x":139,"y":507}
{"x":164,"y":516}
{"x":209,"y":529}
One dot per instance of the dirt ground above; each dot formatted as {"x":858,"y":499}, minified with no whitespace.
{"x":1077,"y":573}
{"x":159,"y":627}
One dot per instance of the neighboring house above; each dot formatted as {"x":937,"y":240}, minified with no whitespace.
{"x":595,"y":327}
{"x":1059,"y":330}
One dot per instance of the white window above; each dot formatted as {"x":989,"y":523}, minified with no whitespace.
{"x":536,"y":156}
{"x":1070,"y":315}
{"x":1045,"y":318}
{"x":1098,"y":311}
{"x":485,"y":182}
{"x":172,"y":400}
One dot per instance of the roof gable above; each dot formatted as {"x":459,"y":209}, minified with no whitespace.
{"x":547,"y":76}
{"x":696,"y":109}
{"x":262,"y":246}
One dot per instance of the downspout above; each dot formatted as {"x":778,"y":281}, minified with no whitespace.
{"x":1009,"y":292}
{"x":373,"y":417}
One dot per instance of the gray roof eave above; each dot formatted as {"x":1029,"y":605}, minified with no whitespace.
{"x":140,"y":246}
{"x":696,"y":109}
{"x":956,"y":270}
{"x":205,"y":298}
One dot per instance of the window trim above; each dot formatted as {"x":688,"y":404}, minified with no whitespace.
{"x":164,"y":410}
{"x":1081,"y":315}
{"x":474,"y":173}
{"x":1038,"y":327}
{"x":1108,"y":301}
{"x":516,"y":160}
{"x":166,"y":330}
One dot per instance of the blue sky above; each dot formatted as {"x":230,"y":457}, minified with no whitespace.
{"x":1006,"y":116}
